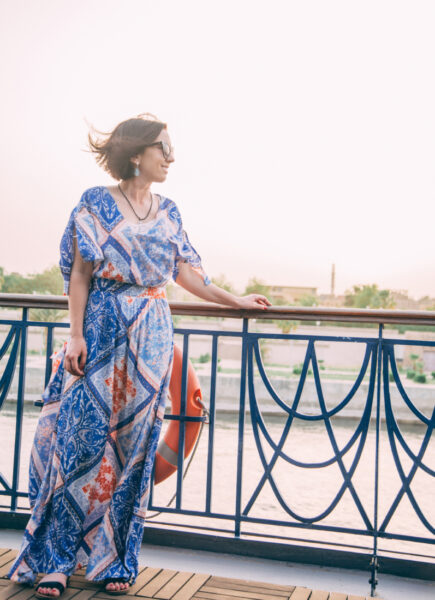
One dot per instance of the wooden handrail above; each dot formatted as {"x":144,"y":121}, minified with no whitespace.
{"x":208,"y":309}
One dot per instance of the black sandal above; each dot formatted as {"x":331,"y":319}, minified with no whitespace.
{"x":116,"y":580}
{"x":51,"y":584}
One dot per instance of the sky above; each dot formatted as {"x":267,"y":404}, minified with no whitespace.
{"x":304,"y":131}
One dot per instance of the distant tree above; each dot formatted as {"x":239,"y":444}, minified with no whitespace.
{"x":427,"y":303}
{"x":369,"y":296}
{"x":285,"y":325}
{"x":2,"y":278}
{"x":50,"y":281}
{"x":255,"y":286}
{"x":308,"y":300}
{"x":221,"y":281}
{"x":15,"y":283}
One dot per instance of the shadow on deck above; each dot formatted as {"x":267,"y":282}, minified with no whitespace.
{"x":167,"y":584}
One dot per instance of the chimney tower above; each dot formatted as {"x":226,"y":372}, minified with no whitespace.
{"x":333,"y":280}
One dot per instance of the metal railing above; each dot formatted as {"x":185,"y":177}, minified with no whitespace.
{"x":378,"y":376}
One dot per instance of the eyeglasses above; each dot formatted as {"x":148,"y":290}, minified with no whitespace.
{"x":166,"y":149}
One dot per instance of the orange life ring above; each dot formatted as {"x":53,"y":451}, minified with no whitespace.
{"x":167,"y":450}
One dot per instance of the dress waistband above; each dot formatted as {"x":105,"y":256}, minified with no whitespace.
{"x":129,"y":289}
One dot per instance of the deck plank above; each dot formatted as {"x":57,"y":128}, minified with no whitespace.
{"x":319,"y":595}
{"x":213,"y":596}
{"x":300,"y":593}
{"x":156,"y":584}
{"x":191,"y":586}
{"x":4,"y":569}
{"x":255,"y":594}
{"x":215,"y":580}
{"x":106,"y":596}
{"x":144,"y":577}
{"x":23,"y":594}
{"x":253,"y":586}
{"x":10,"y":590}
{"x":4,"y":550}
{"x":78,"y":581}
{"x":6,"y":556}
{"x":174,"y":585}
{"x":84,"y":594}
{"x":337,"y":596}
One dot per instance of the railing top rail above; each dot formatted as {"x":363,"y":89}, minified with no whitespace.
{"x":206,"y":309}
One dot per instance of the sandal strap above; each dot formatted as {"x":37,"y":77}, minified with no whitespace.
{"x":51,"y":584}
{"x":116,"y":580}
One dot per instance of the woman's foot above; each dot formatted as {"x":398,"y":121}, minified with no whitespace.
{"x":116,"y":586}
{"x":47,"y":590}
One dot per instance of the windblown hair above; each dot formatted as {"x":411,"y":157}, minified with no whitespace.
{"x":114,"y":150}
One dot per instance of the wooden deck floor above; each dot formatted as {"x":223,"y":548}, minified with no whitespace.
{"x":167,"y":584}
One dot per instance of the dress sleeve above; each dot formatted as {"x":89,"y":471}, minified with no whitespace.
{"x":184,"y":251}
{"x":81,"y":225}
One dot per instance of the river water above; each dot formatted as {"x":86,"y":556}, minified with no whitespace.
{"x":308,"y":492}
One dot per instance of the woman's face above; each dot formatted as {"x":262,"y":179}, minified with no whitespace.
{"x":153,"y":166}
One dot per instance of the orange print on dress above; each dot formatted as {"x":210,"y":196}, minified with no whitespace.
{"x":109,"y":273}
{"x":103,"y":487}
{"x":121,"y":386}
{"x":56,"y":357}
{"x":153,"y":292}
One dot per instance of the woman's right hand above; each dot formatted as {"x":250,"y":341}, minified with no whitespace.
{"x":75,"y":355}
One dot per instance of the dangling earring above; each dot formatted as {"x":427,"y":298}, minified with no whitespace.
{"x":136,"y":170}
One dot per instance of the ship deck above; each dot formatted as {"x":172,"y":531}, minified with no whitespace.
{"x":170,"y":584}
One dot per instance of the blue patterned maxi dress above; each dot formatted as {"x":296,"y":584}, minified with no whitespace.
{"x":97,"y":435}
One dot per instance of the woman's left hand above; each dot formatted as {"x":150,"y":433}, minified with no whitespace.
{"x":255,"y":301}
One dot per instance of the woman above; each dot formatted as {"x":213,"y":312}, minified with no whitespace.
{"x":97,"y":434}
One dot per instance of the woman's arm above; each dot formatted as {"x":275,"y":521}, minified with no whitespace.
{"x":81,"y":273}
{"x":192,"y":281}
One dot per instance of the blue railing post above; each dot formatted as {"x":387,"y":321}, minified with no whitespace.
{"x":211,"y":424}
{"x":245,"y":339}
{"x":182,"y":416}
{"x":20,"y":407}
{"x":374,"y":561}
{"x":49,"y":352}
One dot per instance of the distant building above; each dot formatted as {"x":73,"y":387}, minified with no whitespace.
{"x":402,"y":301}
{"x":330,"y":300}
{"x":426,"y":303}
{"x":425,"y":354}
{"x":288,"y":294}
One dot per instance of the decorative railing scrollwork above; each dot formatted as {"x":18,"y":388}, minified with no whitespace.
{"x":378,"y":381}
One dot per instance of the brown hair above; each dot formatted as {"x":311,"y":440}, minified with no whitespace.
{"x":129,"y":138}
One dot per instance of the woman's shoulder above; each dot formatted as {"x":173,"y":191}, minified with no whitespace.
{"x":92,"y":200}
{"x":97,"y":204}
{"x":93,"y":196}
{"x":171,"y":208}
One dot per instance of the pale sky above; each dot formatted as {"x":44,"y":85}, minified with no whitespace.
{"x":304,"y":131}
